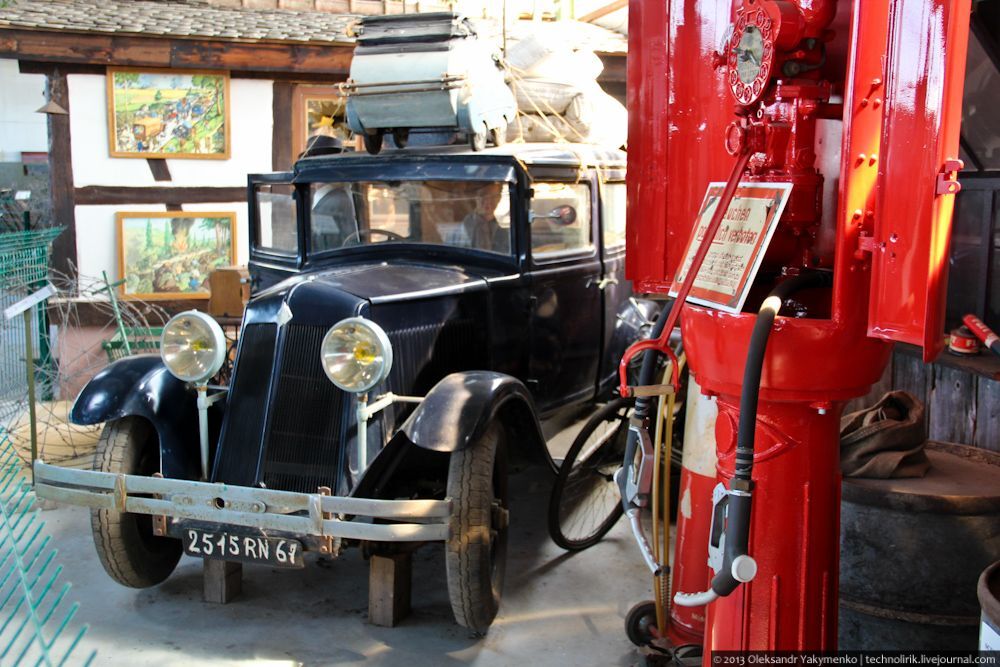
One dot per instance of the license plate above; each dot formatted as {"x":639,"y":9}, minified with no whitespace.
{"x":223,"y":545}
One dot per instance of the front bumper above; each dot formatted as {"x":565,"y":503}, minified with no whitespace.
{"x":303,"y":514}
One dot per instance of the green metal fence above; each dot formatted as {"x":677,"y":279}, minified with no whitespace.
{"x":24,"y":267}
{"x":36,"y":616}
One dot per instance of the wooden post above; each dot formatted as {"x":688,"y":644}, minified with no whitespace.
{"x":223,"y":580}
{"x":61,"y":189}
{"x":29,"y":362}
{"x":389,"y":583}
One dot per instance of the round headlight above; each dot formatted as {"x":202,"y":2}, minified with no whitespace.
{"x":356,"y":354}
{"x":193,"y":346}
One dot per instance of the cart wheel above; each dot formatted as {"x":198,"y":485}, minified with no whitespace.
{"x":585,"y":501}
{"x":477,"y":140}
{"x":499,"y":134}
{"x":400,"y":136}
{"x":639,"y":622}
{"x":477,"y":546}
{"x":129,"y":551}
{"x":373,"y":142}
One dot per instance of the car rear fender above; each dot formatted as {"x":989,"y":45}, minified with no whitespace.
{"x":457,"y":410}
{"x":141,"y":386}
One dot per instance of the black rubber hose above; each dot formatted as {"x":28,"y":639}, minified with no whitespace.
{"x":647,"y":374}
{"x":755,"y":363}
{"x":740,"y":502}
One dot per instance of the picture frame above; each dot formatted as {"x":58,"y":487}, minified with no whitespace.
{"x":170,"y":254}
{"x":317,"y":110}
{"x":168,"y":113}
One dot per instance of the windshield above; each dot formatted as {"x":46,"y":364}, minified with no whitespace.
{"x":460,"y":214}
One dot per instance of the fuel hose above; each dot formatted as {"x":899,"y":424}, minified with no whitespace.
{"x":737,"y":567}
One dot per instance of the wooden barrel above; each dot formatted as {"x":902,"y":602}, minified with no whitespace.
{"x":912,"y":551}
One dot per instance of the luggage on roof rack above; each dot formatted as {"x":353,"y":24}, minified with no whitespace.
{"x":428,"y":73}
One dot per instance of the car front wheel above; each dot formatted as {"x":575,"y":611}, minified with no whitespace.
{"x":477,"y":544}
{"x":129,"y":551}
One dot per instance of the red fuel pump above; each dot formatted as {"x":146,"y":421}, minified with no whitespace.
{"x":857,"y":106}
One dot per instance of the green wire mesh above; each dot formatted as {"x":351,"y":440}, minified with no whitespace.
{"x":35,"y":614}
{"x":24,"y":267}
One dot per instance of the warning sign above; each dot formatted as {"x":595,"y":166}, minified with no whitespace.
{"x":739,"y":245}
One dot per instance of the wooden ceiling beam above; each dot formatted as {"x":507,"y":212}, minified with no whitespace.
{"x":89,"y":49}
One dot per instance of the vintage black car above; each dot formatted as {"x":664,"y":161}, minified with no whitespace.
{"x":416,"y":317}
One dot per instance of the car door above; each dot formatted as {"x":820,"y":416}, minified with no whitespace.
{"x":615,"y":288}
{"x":565,"y":301}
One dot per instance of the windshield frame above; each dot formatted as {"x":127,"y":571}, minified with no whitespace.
{"x":358,"y":167}
{"x":391,"y":247}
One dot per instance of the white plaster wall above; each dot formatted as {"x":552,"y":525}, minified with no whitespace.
{"x":21,"y":129}
{"x":251,"y":121}
{"x":97,"y":234}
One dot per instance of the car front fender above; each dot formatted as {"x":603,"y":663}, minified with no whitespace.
{"x":457,"y":410}
{"x":141,"y":386}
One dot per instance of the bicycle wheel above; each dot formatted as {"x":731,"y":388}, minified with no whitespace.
{"x":585,"y":502}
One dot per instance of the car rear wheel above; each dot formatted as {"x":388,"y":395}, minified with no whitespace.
{"x":129,"y":551}
{"x":401,"y":136}
{"x":476,"y":558}
{"x":585,"y":502}
{"x":499,"y":134}
{"x":477,"y":139}
{"x":373,"y":141}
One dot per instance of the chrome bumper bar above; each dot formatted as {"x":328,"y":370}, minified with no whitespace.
{"x":299,"y":513}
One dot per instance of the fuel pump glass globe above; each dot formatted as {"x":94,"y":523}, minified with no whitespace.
{"x":356,"y":354}
{"x":749,"y":54}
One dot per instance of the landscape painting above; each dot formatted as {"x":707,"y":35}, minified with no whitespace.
{"x":171,"y":255}
{"x":168,"y":113}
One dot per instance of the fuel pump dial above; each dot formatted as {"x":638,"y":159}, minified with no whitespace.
{"x":750,"y":55}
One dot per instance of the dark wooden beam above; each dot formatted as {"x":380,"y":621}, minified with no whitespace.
{"x":116,"y":196}
{"x":37,"y":67}
{"x":61,"y":176}
{"x":281,"y":135}
{"x":331,"y":61}
{"x":158,"y":167}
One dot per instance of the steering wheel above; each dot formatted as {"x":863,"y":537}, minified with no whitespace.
{"x":355,"y":237}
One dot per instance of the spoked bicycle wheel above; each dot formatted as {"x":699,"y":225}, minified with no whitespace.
{"x":585,"y":501}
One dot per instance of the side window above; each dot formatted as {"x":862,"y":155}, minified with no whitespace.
{"x":613,"y":215}
{"x":560,"y":219}
{"x":277,"y":230}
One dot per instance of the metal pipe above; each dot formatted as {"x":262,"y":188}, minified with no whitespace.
{"x":426,"y":89}
{"x":362,"y":432}
{"x":203,"y":404}
{"x":445,"y":78}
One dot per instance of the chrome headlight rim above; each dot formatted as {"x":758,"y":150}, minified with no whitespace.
{"x":381,"y":339}
{"x":218,"y":352}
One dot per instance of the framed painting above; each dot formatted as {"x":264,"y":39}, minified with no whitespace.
{"x":168,"y":113}
{"x":317,"y":110}
{"x":170,"y":255}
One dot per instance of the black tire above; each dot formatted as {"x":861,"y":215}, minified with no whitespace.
{"x":585,"y":502}
{"x":477,"y":140}
{"x":401,"y":136}
{"x":126,"y":546}
{"x":639,"y":622}
{"x":499,"y":135}
{"x":476,"y":557}
{"x":373,"y":142}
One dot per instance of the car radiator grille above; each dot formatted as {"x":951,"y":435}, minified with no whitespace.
{"x":239,"y":449}
{"x":303,"y":447}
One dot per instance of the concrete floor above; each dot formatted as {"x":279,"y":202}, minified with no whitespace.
{"x":558,"y":608}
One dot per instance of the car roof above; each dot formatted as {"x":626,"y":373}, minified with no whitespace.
{"x":556,"y":154}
